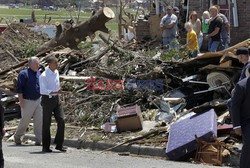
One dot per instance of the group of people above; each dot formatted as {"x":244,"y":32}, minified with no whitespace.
{"x":212,"y":30}
{"x":39,"y":98}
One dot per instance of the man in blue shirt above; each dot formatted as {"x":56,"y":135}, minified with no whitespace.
{"x":169,"y":27}
{"x":28,"y":90}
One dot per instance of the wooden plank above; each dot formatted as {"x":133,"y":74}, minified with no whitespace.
{"x":221,"y":53}
{"x":155,"y":31}
{"x":226,"y":64}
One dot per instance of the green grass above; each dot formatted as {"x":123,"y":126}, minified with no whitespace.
{"x":57,"y":16}
{"x":38,"y":12}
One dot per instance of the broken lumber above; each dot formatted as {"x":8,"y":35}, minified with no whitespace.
{"x":113,"y":46}
{"x":146,"y":135}
{"x":74,"y":78}
{"x":13,"y":67}
{"x":95,"y":58}
{"x":12,"y":56}
{"x":21,"y":63}
{"x":221,"y":53}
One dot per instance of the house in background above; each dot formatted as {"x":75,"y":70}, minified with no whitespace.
{"x":237,"y":11}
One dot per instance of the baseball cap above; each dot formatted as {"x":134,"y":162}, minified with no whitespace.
{"x":242,"y":51}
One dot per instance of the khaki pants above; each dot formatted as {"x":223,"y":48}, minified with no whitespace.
{"x":32,"y":108}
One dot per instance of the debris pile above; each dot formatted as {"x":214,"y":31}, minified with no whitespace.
{"x":105,"y":77}
{"x":17,"y":42}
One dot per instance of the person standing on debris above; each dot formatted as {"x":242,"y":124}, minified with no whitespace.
{"x":50,"y":91}
{"x":29,"y":99}
{"x":193,"y":18}
{"x":192,"y":40}
{"x":2,"y":131}
{"x":240,"y":115}
{"x":169,"y":26}
{"x":214,"y":30}
{"x":225,"y":29}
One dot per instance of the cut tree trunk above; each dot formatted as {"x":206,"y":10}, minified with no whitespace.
{"x":73,"y":36}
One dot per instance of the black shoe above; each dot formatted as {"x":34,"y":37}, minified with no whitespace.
{"x":61,"y":148}
{"x":47,"y":150}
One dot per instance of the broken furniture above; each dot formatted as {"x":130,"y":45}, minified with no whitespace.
{"x":209,"y":153}
{"x":225,"y":129}
{"x":181,"y":140}
{"x":129,"y":119}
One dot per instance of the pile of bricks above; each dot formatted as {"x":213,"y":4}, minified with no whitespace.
{"x":142,"y":30}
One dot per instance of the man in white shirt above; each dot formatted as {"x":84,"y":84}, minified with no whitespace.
{"x":50,"y":91}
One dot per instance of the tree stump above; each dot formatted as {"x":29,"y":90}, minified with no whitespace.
{"x":73,"y":36}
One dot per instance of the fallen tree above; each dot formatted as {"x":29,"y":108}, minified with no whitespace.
{"x":74,"y":35}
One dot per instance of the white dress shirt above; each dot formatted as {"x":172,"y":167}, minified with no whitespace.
{"x":49,"y":82}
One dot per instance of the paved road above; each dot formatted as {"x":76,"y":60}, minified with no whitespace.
{"x":30,"y":156}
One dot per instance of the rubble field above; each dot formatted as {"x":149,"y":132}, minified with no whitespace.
{"x":105,"y":76}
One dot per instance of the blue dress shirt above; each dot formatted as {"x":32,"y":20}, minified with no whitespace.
{"x":28,"y":84}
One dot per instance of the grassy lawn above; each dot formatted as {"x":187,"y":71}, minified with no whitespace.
{"x":57,"y":16}
{"x":38,"y":12}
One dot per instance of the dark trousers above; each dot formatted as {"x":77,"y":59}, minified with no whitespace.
{"x":229,"y":106}
{"x":52,"y":106}
{"x":1,"y":154}
{"x":245,"y":153}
